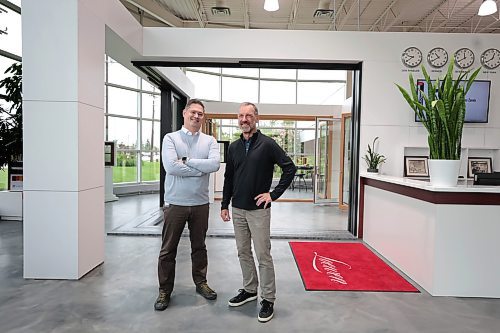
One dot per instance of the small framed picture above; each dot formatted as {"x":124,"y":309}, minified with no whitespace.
{"x":478,"y":165}
{"x":416,"y":166}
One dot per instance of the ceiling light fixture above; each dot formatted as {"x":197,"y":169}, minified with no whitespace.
{"x":271,"y":5}
{"x":488,"y":7}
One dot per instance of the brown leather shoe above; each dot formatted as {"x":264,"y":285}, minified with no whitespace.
{"x":204,"y":290}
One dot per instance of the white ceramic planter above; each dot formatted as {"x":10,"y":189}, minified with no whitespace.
{"x":444,"y":173}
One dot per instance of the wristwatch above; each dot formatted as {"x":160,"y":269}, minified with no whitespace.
{"x":184,"y":159}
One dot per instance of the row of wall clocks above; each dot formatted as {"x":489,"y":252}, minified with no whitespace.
{"x":438,"y":57}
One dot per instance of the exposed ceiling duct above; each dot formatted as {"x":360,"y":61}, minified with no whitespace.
{"x":431,"y":16}
{"x":221,"y":8}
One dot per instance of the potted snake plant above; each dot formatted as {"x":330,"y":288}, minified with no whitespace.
{"x":442,"y":112}
{"x":372,"y":158}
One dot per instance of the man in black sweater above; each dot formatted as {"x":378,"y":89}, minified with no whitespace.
{"x":247,"y":181}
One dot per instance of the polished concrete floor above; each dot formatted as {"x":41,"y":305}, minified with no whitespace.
{"x":140,"y":215}
{"x":118,"y":296}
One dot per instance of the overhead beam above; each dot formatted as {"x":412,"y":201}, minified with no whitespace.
{"x":157,"y":11}
{"x":198,"y":9}
{"x":354,"y":5}
{"x":405,"y":10}
{"x":448,"y":15}
{"x":430,"y":12}
{"x":458,"y":12}
{"x":293,"y":15}
{"x":245,"y":14}
{"x":393,"y":2}
{"x":489,"y":25}
{"x":334,"y":21}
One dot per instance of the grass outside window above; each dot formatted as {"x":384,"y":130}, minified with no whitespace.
{"x":3,"y":179}
{"x":128,"y":174}
{"x":150,"y":171}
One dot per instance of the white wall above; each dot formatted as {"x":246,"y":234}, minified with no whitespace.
{"x":384,"y":112}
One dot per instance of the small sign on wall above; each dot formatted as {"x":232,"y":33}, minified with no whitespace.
{"x":109,"y":153}
{"x":15,"y":172}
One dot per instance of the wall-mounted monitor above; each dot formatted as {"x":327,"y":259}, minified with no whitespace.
{"x":477,"y":100}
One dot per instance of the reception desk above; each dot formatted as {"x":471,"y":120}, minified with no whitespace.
{"x":446,"y":239}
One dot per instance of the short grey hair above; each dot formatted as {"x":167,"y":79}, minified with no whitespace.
{"x":194,"y":101}
{"x":255,"y":110}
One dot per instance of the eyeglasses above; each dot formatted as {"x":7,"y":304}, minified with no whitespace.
{"x":196,"y":113}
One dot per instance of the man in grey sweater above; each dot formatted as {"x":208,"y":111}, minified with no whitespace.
{"x":189,"y":157}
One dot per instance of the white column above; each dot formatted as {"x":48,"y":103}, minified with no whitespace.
{"x":63,"y":86}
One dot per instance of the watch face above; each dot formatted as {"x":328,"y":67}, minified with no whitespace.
{"x":437,"y":57}
{"x":411,"y":57}
{"x":490,"y":58}
{"x":464,"y":57}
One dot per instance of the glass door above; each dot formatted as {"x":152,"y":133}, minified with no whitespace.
{"x":345,"y":160}
{"x":327,"y":161}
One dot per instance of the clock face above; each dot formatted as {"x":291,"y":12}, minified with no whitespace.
{"x":490,"y":58}
{"x":464,"y":58}
{"x":437,"y":57}
{"x":411,"y":57}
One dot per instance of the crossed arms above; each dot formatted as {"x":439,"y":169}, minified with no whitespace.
{"x":194,"y":167}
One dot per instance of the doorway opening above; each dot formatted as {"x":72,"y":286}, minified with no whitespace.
{"x":328,"y":164}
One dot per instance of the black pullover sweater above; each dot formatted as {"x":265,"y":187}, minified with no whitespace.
{"x":250,"y":174}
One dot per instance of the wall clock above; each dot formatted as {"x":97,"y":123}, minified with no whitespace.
{"x":437,"y":57}
{"x":411,"y":57}
{"x":490,"y":58}
{"x":464,"y":58}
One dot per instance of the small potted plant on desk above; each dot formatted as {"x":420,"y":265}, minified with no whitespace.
{"x":372,"y":158}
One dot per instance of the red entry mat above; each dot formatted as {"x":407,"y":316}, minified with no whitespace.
{"x":345,"y":266}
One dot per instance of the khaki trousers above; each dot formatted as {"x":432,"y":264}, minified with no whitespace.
{"x":175,"y":218}
{"x":255,"y":225}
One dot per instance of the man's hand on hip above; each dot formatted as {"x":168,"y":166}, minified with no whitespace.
{"x":263,"y":197}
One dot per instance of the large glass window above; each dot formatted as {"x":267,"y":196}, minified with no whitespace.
{"x":133,"y":121}
{"x":150,"y":166}
{"x":151,"y":106}
{"x":321,"y":93}
{"x":245,"y":72}
{"x":150,"y":135}
{"x":11,"y":44}
{"x":277,"y":92}
{"x":272,"y":73}
{"x":122,"y":102}
{"x":4,"y":64}
{"x":207,"y":86}
{"x":125,"y":170}
{"x":10,"y":34}
{"x":295,"y":137}
{"x":3,"y":179}
{"x":239,"y":90}
{"x":320,"y":74}
{"x":123,"y":131}
{"x":120,"y":75}
{"x":269,"y":85}
{"x":148,"y":86}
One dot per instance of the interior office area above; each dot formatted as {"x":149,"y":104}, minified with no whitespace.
{"x":132,"y":121}
{"x":63,"y":233}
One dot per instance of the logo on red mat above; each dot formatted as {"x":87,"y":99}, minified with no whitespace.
{"x":329,"y":267}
